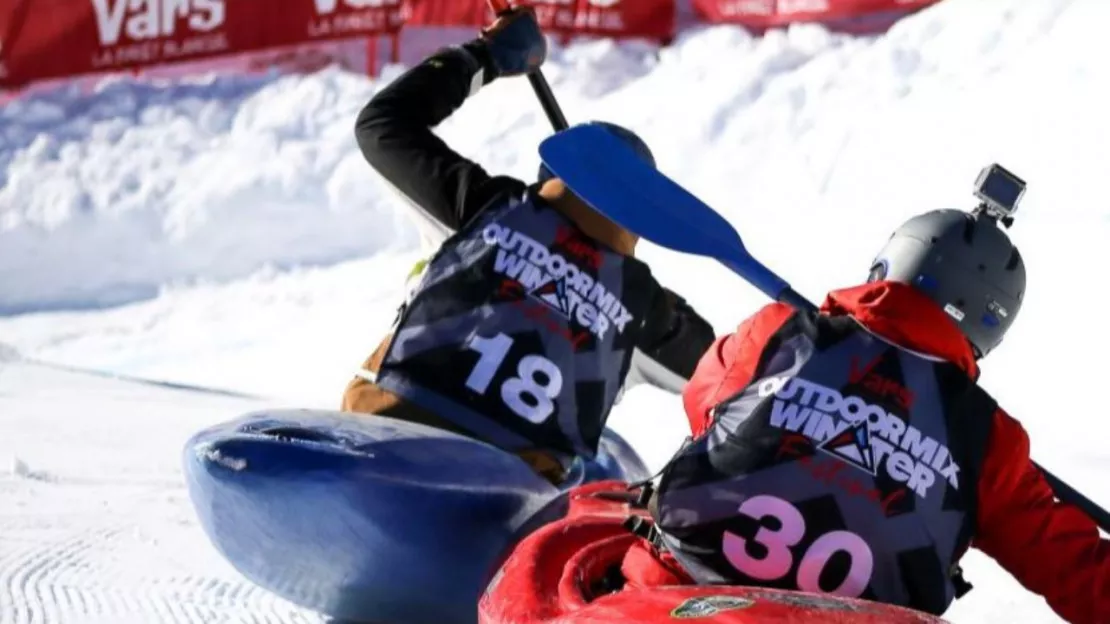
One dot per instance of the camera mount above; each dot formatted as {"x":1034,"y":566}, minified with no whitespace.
{"x":999,"y":192}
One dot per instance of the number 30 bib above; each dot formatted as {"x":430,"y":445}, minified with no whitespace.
{"x":847,"y":466}
{"x":521,"y":331}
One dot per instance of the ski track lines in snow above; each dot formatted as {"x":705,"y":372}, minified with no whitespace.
{"x":85,"y":541}
{"x":199,"y":205}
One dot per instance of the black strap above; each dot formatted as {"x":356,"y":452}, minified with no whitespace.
{"x":636,"y":524}
{"x":645,"y":528}
{"x":959,"y":582}
{"x":975,"y":414}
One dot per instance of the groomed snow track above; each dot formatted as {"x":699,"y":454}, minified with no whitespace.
{"x":95,"y":522}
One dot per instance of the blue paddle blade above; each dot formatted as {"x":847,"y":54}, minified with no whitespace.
{"x":613,"y":180}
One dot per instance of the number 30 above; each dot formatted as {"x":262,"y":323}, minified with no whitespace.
{"x":540,"y":392}
{"x":779,"y":559}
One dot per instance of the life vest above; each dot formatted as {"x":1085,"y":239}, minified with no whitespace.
{"x":521,"y":330}
{"x":847,"y":466}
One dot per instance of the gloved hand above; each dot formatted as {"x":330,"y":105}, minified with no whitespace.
{"x":515,"y":43}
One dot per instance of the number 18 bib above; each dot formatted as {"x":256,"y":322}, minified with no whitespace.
{"x":521,"y":331}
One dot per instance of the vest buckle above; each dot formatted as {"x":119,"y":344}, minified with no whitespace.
{"x":644,"y":496}
{"x":644,"y":528}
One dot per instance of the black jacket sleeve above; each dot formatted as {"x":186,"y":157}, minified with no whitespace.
{"x":673,"y":339}
{"x":394,"y":132}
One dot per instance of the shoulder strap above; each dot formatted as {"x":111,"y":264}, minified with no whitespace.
{"x":973,"y":411}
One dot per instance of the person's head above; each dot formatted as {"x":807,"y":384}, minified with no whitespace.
{"x":966,"y":264}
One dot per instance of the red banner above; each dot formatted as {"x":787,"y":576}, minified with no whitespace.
{"x":474,"y":13}
{"x":41,"y":39}
{"x":56,"y":38}
{"x":647,"y":19}
{"x":762,"y":14}
{"x":299,"y":21}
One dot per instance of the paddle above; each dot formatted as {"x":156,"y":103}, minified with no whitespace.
{"x":633,"y":194}
{"x":610,"y":177}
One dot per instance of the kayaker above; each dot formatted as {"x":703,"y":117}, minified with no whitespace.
{"x":852,"y":451}
{"x":526,"y":324}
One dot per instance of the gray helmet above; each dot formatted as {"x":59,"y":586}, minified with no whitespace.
{"x":966,"y":264}
{"x":624,"y":134}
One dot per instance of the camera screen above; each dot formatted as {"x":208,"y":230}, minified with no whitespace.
{"x":1002,"y":188}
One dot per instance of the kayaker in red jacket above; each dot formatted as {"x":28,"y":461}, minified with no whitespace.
{"x":852,"y":452}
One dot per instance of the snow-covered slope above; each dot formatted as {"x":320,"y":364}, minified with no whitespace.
{"x":95,"y":524}
{"x":254,"y":250}
{"x":109,"y":195}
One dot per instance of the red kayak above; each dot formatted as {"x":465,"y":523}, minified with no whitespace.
{"x":551,"y":578}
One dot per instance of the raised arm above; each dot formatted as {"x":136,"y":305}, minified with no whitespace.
{"x":394,"y":130}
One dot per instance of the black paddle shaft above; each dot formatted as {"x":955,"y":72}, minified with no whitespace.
{"x":547,"y":100}
{"x":1068,"y":494}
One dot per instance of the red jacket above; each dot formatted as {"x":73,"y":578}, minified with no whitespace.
{"x":1051,"y":548}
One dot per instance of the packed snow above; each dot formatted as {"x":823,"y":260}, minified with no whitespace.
{"x":225,"y":232}
{"x":95,"y":525}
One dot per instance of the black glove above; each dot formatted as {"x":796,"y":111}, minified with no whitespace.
{"x":515,"y":43}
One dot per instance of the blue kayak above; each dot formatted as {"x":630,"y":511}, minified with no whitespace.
{"x":372,"y":519}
